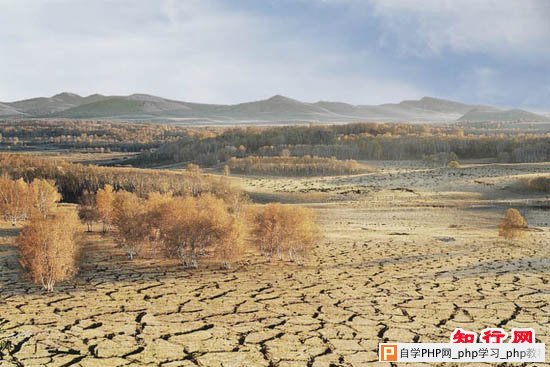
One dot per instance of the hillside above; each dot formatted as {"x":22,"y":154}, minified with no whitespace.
{"x":492,"y":114}
{"x":272,"y":110}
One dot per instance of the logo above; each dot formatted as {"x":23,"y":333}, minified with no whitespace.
{"x":387,"y":352}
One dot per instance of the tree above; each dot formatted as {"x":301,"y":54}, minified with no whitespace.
{"x":513,"y":224}
{"x":130,"y":221}
{"x":48,"y":248}
{"x":280,"y":229}
{"x":154,"y":215}
{"x":46,"y":196}
{"x":192,"y":228}
{"x":16,"y":199}
{"x":104,"y":205}
{"x":87,"y":210}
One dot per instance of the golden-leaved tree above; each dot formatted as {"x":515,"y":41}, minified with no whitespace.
{"x":45,"y":196}
{"x":16,"y":199}
{"x":131,"y":222}
{"x":104,"y":206}
{"x":48,"y":247}
{"x":192,"y":228}
{"x":284,"y":229}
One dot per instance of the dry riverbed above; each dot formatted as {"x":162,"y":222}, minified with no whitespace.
{"x":408,"y":254}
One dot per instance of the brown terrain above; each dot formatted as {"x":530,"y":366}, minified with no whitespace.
{"x":408,"y":254}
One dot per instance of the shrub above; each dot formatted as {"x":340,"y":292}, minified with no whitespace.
{"x":512,"y":225}
{"x":48,"y":248}
{"x":280,"y":229}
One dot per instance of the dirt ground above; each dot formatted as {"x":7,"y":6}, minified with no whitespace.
{"x":408,"y":254}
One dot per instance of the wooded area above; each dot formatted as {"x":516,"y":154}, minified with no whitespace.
{"x":360,"y":141}
{"x":74,"y":179}
{"x":188,"y":227}
{"x":295,"y":166}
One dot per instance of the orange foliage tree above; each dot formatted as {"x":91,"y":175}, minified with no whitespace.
{"x":130,"y":220}
{"x":16,"y":199}
{"x":104,"y":206}
{"x":48,"y":248}
{"x":192,"y":228}
{"x":45,"y":196}
{"x":283,"y":229}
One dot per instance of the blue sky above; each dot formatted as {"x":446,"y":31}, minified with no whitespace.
{"x":362,"y":52}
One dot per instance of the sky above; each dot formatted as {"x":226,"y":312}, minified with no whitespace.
{"x":493,"y":52}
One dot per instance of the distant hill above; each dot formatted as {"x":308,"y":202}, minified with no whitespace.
{"x":275,"y":109}
{"x":493,"y":114}
{"x":7,"y":111}
{"x":441,"y":105}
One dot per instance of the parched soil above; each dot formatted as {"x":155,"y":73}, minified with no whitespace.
{"x":399,"y":261}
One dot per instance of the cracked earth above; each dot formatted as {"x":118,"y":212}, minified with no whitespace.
{"x":394,"y":265}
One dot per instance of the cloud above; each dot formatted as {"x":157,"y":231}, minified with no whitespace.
{"x":362,"y":52}
{"x":505,"y":27}
{"x":194,"y":50}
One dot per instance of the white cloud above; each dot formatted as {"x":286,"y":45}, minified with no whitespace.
{"x":507,"y":27}
{"x":193,"y":50}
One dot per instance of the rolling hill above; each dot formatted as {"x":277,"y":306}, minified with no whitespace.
{"x":275,"y":109}
{"x":492,"y":114}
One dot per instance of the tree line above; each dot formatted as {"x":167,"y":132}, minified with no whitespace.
{"x":295,"y":166}
{"x":359,"y":141}
{"x":89,"y":134}
{"x":74,"y":179}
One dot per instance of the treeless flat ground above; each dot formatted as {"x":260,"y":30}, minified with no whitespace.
{"x":408,"y":254}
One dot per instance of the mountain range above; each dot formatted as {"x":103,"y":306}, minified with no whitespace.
{"x":275,"y":109}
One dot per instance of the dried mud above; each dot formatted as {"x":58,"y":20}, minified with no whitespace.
{"x":394,"y":265}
